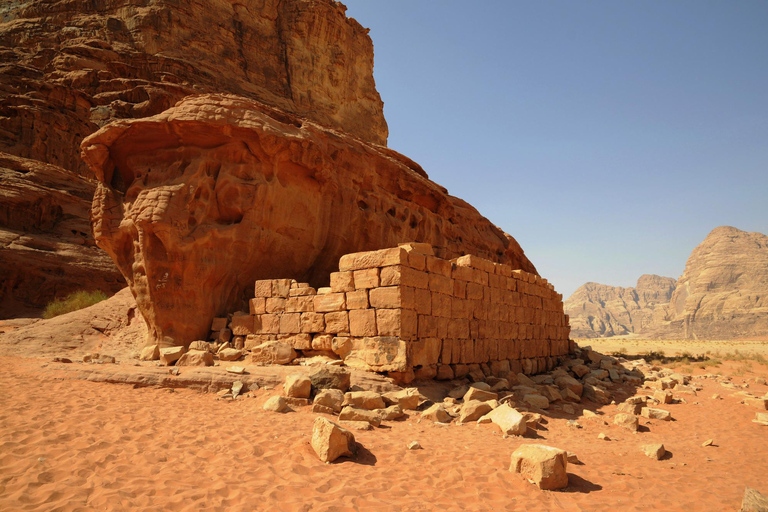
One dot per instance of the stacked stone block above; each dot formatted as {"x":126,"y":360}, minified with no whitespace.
{"x":404,"y":310}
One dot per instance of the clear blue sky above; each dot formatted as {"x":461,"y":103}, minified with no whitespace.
{"x":607,"y":137}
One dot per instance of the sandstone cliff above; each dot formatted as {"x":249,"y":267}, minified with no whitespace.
{"x":601,"y":310}
{"x":723,"y":293}
{"x":68,"y":67}
{"x":198,"y":202}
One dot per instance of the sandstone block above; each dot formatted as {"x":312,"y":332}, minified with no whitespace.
{"x":630,"y":408}
{"x":368,"y":400}
{"x":480,"y":395}
{"x":225,"y":335}
{"x":473,"y":410}
{"x":440,"y":284}
{"x":275,"y":305}
{"x":364,"y":279}
{"x":200,"y":345}
{"x":372,"y":259}
{"x":276,"y":404}
{"x":170,"y":355}
{"x":655,"y":414}
{"x":350,"y":413}
{"x":300,"y":303}
{"x":330,"y":302}
{"x":297,"y":386}
{"x":362,"y":322}
{"x":263,"y":288}
{"x":356,"y":425}
{"x":342,"y":282}
{"x":150,"y":353}
{"x":509,"y":420}
{"x":567,"y":382}
{"x":273,"y":352}
{"x":330,"y":377}
{"x":407,"y":399}
{"x":196,"y":358}
{"x":331,"y":398}
{"x":400,"y":275}
{"x":378,"y":353}
{"x":437,"y":413}
{"x":312,"y":322}
{"x":290,"y":323}
{"x":229,"y":354}
{"x":357,"y":299}
{"x":322,"y":342}
{"x":281,"y":287}
{"x":469,"y":260}
{"x":654,"y":451}
{"x":627,"y":421}
{"x":536,"y":401}
{"x":753,"y":501}
{"x":388,"y":297}
{"x":257,"y":306}
{"x":391,"y":413}
{"x":417,"y":248}
{"x":219,"y":323}
{"x":270,"y":324}
{"x":760,"y":404}
{"x":322,"y":409}
{"x":542,"y":465}
{"x":337,"y":322}
{"x":242,"y":324}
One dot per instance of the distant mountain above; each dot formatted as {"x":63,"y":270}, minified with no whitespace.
{"x":601,"y":310}
{"x":723,"y":293}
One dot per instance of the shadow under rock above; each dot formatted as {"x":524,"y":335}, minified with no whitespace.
{"x":578,"y":484}
{"x":363,"y":456}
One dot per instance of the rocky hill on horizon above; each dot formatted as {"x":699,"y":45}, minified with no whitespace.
{"x":722,"y":294}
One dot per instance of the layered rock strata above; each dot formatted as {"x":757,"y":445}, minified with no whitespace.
{"x":602,"y":310}
{"x":46,"y":247}
{"x":722,"y":294}
{"x":404,"y":311}
{"x":69,"y":67}
{"x":198,"y":202}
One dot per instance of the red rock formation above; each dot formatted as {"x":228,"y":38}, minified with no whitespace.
{"x":46,"y":247}
{"x":68,"y":67}
{"x":198,"y":202}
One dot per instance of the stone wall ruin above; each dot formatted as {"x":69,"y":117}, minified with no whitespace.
{"x":406,"y":312}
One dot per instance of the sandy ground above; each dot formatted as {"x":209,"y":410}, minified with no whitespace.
{"x":68,"y":444}
{"x":638,"y":345}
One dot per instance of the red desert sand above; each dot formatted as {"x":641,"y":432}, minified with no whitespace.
{"x":68,"y":444}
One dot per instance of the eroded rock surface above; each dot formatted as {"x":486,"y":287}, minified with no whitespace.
{"x":602,"y":310}
{"x":198,"y":202}
{"x":723,"y":293}
{"x":69,"y":67}
{"x":46,"y":246}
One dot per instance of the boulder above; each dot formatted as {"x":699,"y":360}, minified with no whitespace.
{"x":627,"y":421}
{"x":655,"y":414}
{"x":150,"y":353}
{"x":393,"y":412}
{"x":753,"y":501}
{"x":276,"y":404}
{"x":297,"y":386}
{"x":509,"y":420}
{"x":654,"y":451}
{"x":331,"y":398}
{"x":196,"y":358}
{"x":437,"y":413}
{"x":536,"y":401}
{"x":349,"y":413}
{"x":542,"y":465}
{"x":478,"y":394}
{"x":273,"y":352}
{"x":364,"y":400}
{"x":568,"y":382}
{"x":473,"y":410}
{"x":407,"y":399}
{"x":229,"y":354}
{"x":170,"y":355}
{"x":330,"y":441}
{"x":330,"y":377}
{"x":200,"y":345}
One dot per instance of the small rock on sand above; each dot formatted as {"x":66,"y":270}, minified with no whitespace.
{"x":414,"y":445}
{"x":276,"y":404}
{"x":330,"y":441}
{"x":654,"y":451}
{"x":542,"y":465}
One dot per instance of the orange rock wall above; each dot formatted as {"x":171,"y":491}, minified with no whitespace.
{"x":404,"y":310}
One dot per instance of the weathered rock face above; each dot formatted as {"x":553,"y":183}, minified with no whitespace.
{"x":68,"y":67}
{"x":723,"y":293}
{"x":601,"y":310}
{"x":46,"y":247}
{"x":198,"y":202}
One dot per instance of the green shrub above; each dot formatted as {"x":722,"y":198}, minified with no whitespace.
{"x":72,"y":302}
